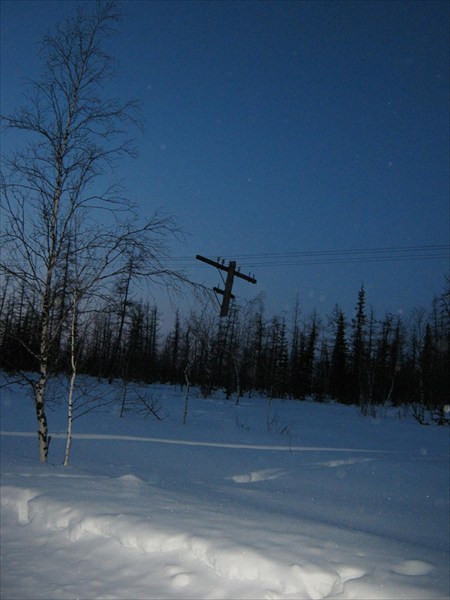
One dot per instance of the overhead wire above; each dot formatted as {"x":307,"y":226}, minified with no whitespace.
{"x":317,"y":257}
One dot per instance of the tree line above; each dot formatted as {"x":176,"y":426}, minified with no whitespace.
{"x":361,"y":360}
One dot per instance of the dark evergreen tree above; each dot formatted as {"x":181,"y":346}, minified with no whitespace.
{"x":295,"y":388}
{"x":359,"y":366}
{"x":427,"y":363}
{"x":322,"y":383}
{"x":310,"y":353}
{"x":339,"y":383}
{"x":381,"y":371}
{"x":171,"y":357}
{"x":441,"y":336}
{"x":395,"y":362}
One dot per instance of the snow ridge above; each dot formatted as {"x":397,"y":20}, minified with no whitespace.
{"x":227,"y":559}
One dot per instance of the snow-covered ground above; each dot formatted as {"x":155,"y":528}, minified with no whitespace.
{"x":327,"y":504}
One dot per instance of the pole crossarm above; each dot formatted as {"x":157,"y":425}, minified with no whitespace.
{"x":231,"y":271}
{"x":223,"y":267}
{"x":222,"y":292}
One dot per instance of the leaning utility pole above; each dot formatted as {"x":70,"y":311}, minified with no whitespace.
{"x":231,"y":274}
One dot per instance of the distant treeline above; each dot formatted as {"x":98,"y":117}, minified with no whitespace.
{"x":362,"y":360}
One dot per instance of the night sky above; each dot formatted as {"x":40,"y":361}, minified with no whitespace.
{"x":308,"y":141}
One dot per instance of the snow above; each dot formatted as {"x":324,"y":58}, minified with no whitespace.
{"x":326,"y":504}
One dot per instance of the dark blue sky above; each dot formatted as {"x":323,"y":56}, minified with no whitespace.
{"x":284,"y":127}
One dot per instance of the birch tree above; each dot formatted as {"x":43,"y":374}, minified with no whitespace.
{"x":60,"y":178}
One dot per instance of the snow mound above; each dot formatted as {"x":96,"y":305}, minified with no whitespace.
{"x":226,"y":558}
{"x":17,"y":499}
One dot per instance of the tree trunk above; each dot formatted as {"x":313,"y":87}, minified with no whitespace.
{"x":40,"y":414}
{"x":41,"y":387}
{"x":186,"y":397}
{"x":73,"y":364}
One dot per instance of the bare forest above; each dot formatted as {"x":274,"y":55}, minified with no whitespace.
{"x":357,"y":359}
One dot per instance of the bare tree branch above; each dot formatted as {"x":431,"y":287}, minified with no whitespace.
{"x":67,"y":233}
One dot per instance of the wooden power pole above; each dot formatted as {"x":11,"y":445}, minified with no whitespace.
{"x":231,"y":274}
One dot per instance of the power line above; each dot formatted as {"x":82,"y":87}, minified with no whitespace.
{"x":358,"y":251}
{"x":336,"y":261}
{"x":317,"y":257}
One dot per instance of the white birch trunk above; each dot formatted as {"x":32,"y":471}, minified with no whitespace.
{"x":73,"y":363}
{"x":40,"y":390}
{"x":41,"y":418}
